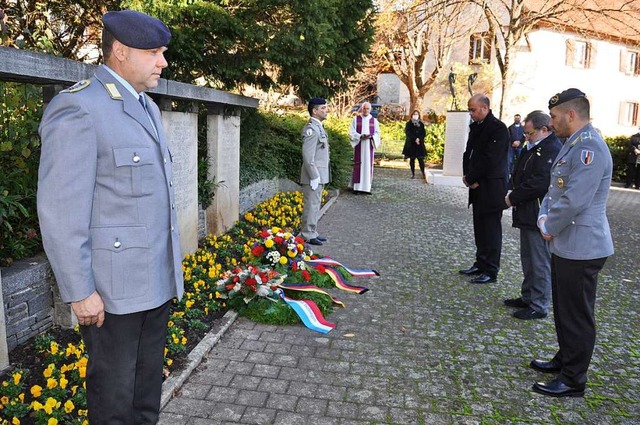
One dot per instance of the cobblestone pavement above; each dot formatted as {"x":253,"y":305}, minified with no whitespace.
{"x":423,"y":346}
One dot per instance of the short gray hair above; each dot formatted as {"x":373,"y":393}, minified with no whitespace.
{"x":538,"y":119}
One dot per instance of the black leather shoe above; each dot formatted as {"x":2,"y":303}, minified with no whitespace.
{"x":321,"y":238}
{"x":546,"y":367}
{"x":314,"y":241}
{"x":470,"y":271}
{"x":529,"y":314}
{"x":484,"y":278}
{"x":557,"y":388}
{"x":515,"y":302}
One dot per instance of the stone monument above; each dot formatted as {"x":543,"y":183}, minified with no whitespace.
{"x":182,"y":136}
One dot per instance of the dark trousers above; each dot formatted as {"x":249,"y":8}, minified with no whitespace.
{"x":412,"y":164}
{"x":573,"y":289}
{"x":633,"y":175}
{"x":487,"y":230}
{"x":124,"y":373}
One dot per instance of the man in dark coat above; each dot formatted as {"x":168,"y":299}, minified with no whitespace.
{"x":530,"y":182}
{"x":633,"y":161}
{"x":484,"y":166}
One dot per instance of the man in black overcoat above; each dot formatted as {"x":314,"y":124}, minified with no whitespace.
{"x":484,"y":166}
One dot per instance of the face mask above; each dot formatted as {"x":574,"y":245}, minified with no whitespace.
{"x":415,"y":117}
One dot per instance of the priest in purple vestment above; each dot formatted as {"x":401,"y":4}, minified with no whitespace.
{"x":365,"y":139}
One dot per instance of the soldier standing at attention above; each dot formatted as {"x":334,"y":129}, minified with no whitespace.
{"x":108,"y":219}
{"x":573,"y":218}
{"x":315,"y":169}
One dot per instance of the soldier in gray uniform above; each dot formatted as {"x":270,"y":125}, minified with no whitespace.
{"x":108,"y":220}
{"x":573,"y":219}
{"x":315,"y":169}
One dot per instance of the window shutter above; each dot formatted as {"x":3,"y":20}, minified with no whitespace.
{"x":592,"y":55}
{"x":570,"y":52}
{"x":636,"y":65}
{"x":471,"y":38}
{"x":623,"y":60}
{"x":622,"y":113}
{"x":486,"y":47}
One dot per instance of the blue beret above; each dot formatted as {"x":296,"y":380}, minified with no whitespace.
{"x":565,"y":96}
{"x":137,"y":30}
{"x":317,"y":101}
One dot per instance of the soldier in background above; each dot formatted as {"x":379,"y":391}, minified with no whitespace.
{"x":315,"y":171}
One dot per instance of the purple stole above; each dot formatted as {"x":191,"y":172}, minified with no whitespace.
{"x":357,"y":155}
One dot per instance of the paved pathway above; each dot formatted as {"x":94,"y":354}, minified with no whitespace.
{"x":423,"y":346}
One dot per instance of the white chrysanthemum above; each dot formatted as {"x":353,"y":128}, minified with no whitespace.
{"x":263,"y":291}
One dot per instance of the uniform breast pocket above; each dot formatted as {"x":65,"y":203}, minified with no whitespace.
{"x":120,"y":261}
{"x":134,"y":170}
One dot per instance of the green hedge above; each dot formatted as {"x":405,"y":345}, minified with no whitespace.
{"x":20,"y":113}
{"x":271,"y":146}
{"x":618,"y":147}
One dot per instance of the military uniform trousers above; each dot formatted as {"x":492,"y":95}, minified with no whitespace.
{"x":312,"y":200}
{"x":126,"y":358}
{"x":573,"y":287}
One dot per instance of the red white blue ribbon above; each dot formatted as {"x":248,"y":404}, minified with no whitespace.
{"x":309,"y":313}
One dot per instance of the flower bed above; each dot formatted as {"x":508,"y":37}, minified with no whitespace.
{"x":48,"y":386}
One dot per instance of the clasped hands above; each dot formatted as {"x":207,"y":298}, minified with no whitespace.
{"x":470,"y":186}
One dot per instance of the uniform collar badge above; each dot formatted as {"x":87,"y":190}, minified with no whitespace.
{"x":113,"y":91}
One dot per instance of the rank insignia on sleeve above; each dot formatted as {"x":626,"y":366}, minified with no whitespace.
{"x":82,"y":84}
{"x":113,"y":91}
{"x":586,"y":156}
{"x":309,"y":132}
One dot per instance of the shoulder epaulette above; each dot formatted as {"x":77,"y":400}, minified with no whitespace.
{"x":80,"y":85}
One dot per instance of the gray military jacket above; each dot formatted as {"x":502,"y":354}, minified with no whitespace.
{"x":576,"y":203}
{"x":315,"y":153}
{"x":105,"y":198}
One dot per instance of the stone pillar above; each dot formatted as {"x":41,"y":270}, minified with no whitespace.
{"x":4,"y":350}
{"x":182,"y":136}
{"x":63,"y":314}
{"x":223,"y":141}
{"x":456,"y":135}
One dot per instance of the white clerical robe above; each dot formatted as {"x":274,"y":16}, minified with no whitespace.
{"x":363,"y":150}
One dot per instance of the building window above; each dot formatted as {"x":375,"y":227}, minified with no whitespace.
{"x":629,"y":114}
{"x":580,"y":54}
{"x":480,"y":48}
{"x":630,"y":62}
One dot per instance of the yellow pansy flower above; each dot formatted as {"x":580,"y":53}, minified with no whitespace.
{"x":68,"y":406}
{"x":36,"y":391}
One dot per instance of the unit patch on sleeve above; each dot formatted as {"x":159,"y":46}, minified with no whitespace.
{"x":586,"y":156}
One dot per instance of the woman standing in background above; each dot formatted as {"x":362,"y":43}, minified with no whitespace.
{"x":414,"y":147}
